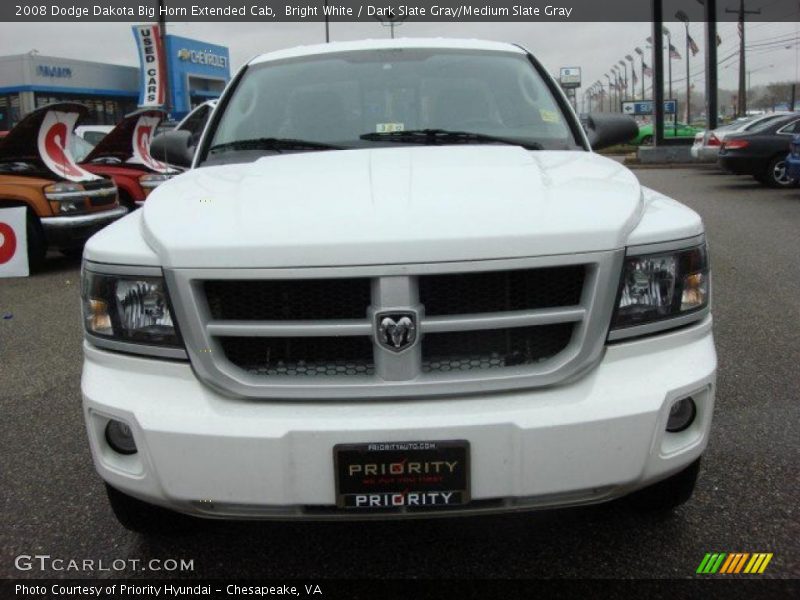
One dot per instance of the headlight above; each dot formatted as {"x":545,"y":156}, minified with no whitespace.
{"x":129,"y":308}
{"x":66,"y":198}
{"x":661,"y":291}
{"x":151,"y":180}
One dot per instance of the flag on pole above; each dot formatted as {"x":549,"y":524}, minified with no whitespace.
{"x":719,"y":40}
{"x":647,"y":71}
{"x":740,"y":27}
{"x":673,"y":52}
{"x":693,"y":46}
{"x":635,"y":78}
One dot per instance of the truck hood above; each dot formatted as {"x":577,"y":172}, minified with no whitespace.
{"x":402,"y":205}
{"x":130,"y":140}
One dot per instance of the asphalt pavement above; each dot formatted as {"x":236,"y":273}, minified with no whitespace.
{"x":747,"y":498}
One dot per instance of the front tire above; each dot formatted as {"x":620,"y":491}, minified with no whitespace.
{"x":776,"y":176}
{"x":147,"y":519}
{"x":669,"y":494}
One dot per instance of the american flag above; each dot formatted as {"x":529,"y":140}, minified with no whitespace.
{"x":693,"y":46}
{"x":635,"y":78}
{"x":673,"y":52}
{"x":647,"y":71}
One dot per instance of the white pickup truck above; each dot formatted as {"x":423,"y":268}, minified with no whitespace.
{"x":396,"y":282}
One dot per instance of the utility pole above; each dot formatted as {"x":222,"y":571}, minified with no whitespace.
{"x":742,"y":103}
{"x":682,"y":16}
{"x":327,"y":25}
{"x":162,"y":29}
{"x":712,"y":107}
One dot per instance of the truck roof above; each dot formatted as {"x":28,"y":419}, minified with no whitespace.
{"x":382,"y":44}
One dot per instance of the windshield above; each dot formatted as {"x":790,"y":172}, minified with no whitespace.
{"x":337,"y":98}
{"x":79,"y":148}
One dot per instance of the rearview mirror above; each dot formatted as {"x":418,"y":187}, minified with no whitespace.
{"x":609,"y":129}
{"x":174,"y":148}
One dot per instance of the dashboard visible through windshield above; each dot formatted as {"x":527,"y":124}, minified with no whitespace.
{"x":362,"y":99}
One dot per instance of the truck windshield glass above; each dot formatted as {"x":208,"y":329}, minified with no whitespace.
{"x":341,"y":98}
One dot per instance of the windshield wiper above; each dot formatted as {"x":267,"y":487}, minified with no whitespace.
{"x":276,"y":144}
{"x":445,"y":136}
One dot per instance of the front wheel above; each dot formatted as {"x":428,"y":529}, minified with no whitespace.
{"x":668,"y":494}
{"x":144,"y":518}
{"x":776,"y":175}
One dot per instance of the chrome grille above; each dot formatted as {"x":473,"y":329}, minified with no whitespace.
{"x":481,"y":326}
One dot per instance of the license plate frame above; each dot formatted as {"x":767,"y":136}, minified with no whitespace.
{"x":417,"y":475}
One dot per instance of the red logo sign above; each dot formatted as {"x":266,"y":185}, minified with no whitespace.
{"x":8,"y":243}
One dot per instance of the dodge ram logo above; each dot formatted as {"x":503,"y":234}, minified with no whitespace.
{"x":396,"y":330}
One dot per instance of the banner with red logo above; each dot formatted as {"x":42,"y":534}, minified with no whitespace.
{"x":152,"y":82}
{"x":142,"y":135}
{"x":53,"y":141}
{"x":13,"y":242}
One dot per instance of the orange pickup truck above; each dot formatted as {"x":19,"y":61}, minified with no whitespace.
{"x":66,"y":204}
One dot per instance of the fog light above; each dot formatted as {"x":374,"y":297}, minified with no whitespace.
{"x":120,"y":437}
{"x":681,"y":415}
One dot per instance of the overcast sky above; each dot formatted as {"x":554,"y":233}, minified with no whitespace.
{"x":593,"y":46}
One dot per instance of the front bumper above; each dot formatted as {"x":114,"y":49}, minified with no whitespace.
{"x":67,"y":231}
{"x":593,"y":439}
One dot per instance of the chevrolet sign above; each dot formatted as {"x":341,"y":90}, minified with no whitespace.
{"x":203,"y":58}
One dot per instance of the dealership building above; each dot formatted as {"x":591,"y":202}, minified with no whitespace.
{"x":198,"y":71}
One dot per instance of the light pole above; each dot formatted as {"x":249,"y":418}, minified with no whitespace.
{"x":682,"y":16}
{"x":624,"y":81}
{"x":640,"y":52}
{"x":629,"y":58}
{"x":327,"y":24}
{"x":669,"y":60}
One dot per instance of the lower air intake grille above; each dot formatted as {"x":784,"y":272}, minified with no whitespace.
{"x":318,"y":356}
{"x":492,"y":349}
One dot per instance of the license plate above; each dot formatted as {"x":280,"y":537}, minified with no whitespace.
{"x":414,"y":475}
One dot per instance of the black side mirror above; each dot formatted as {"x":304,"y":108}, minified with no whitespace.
{"x":173,"y":147}
{"x":609,"y":129}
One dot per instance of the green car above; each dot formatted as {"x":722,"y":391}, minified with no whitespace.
{"x":677,"y":130}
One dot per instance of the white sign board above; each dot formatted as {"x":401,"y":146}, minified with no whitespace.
{"x":570,"y":77}
{"x":13,"y":243}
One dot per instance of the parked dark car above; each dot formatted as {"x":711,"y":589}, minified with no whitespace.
{"x":761,"y":152}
